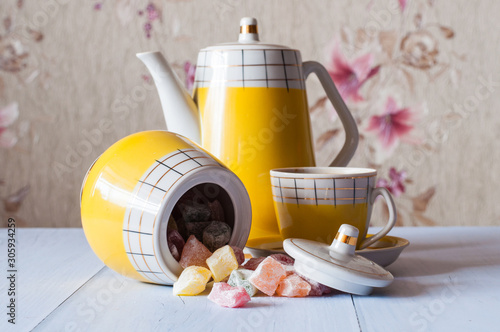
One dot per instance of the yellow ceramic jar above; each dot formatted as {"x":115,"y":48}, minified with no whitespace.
{"x":130,"y":191}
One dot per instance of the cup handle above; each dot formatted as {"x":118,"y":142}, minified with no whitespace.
{"x":392,"y":216}
{"x":351,"y":129}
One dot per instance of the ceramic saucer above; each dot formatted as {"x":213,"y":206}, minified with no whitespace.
{"x":383,"y":252}
{"x":262,"y":252}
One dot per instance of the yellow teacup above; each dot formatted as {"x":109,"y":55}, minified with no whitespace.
{"x":312,"y":202}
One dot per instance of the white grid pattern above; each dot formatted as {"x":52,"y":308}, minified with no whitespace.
{"x":141,"y":214}
{"x":250,"y":68}
{"x":322,"y":191}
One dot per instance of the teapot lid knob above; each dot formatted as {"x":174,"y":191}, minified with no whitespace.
{"x":248,"y":30}
{"x":345,"y":241}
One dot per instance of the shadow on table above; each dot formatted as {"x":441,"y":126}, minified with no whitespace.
{"x":403,"y":288}
{"x":257,"y":305}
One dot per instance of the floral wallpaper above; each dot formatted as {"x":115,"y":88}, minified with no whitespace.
{"x":420,"y":77}
{"x":390,"y":60}
{"x":14,"y":60}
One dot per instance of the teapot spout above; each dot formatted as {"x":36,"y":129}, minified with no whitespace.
{"x":179,"y":109}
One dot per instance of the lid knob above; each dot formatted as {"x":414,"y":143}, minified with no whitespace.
{"x":248,"y":30}
{"x":345,"y":241}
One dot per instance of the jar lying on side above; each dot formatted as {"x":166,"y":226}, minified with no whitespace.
{"x":142,"y":182}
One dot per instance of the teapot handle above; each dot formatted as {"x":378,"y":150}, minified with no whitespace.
{"x":351,"y":129}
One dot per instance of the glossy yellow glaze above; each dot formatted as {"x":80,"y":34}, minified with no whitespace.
{"x":109,"y":186}
{"x":320,"y":222}
{"x":253,"y":130}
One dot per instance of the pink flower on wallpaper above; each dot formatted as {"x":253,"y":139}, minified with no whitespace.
{"x":152,"y":14}
{"x":393,"y":124}
{"x":395,"y":184}
{"x":402,"y":5}
{"x":189,"y":70}
{"x":147,"y":78}
{"x":126,"y":10}
{"x":350,"y":76}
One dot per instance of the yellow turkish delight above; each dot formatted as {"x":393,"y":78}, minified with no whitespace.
{"x":222,"y":263}
{"x":192,"y":281}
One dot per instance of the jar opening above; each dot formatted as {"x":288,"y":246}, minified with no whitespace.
{"x":205,"y":211}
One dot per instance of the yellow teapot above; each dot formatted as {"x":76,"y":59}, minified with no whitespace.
{"x":249,"y":109}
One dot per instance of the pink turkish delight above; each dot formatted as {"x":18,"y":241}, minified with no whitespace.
{"x":228,"y":296}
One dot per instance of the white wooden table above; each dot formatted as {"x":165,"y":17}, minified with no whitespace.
{"x":448,"y":279}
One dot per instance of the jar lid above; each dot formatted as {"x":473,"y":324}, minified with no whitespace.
{"x":337,"y":265}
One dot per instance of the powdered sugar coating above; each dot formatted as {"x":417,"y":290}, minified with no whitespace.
{"x":240,"y":277}
{"x":293,"y":286}
{"x":228,"y":296}
{"x":268,"y":275}
{"x":192,"y":281}
{"x":222,"y":263}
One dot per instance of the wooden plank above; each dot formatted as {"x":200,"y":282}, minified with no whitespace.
{"x":110,"y":302}
{"x":448,"y":279}
{"x":51,"y":265}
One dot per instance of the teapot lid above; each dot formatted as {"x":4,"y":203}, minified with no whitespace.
{"x":337,"y":265}
{"x":248,"y":39}
{"x":249,"y":63}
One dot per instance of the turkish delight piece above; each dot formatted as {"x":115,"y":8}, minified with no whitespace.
{"x":216,"y":211}
{"x":252,"y":263}
{"x":283,"y":259}
{"x":216,"y":235}
{"x":240,"y":256}
{"x":317,"y":289}
{"x":222,"y":263}
{"x":239,"y":278}
{"x":174,"y":252}
{"x":286,"y":261}
{"x":228,"y":296}
{"x":175,"y":243}
{"x":268,"y":275}
{"x":196,"y":228}
{"x":194,"y":212}
{"x":293,"y":286}
{"x":194,"y":253}
{"x":192,"y":281}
